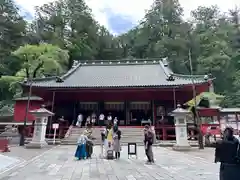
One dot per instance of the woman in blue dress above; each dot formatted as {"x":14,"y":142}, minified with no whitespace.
{"x":81,"y":152}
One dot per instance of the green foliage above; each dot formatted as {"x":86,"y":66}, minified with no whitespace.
{"x":39,"y":59}
{"x":65,"y":30}
{"x":9,"y":87}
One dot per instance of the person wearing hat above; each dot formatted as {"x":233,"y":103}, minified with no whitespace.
{"x":227,"y":152}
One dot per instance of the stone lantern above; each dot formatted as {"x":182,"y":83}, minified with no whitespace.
{"x":40,"y":126}
{"x":180,"y":118}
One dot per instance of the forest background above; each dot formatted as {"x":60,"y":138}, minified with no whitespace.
{"x":65,"y":30}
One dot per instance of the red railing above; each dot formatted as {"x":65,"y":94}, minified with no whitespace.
{"x":165,"y":132}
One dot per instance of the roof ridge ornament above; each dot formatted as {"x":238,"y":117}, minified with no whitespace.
{"x":75,"y":63}
{"x":170,"y":78}
{"x":206,"y":77}
{"x":165,"y":61}
{"x":59,"y":79}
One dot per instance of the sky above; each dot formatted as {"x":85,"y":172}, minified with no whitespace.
{"x":121,"y":15}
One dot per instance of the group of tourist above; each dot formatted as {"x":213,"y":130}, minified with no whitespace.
{"x":93,"y":120}
{"x":111,"y":138}
{"x":85,"y":144}
{"x":111,"y":134}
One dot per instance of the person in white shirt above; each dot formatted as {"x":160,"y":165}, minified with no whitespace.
{"x":88,"y":121}
{"x":94,"y":118}
{"x":109,"y":118}
{"x":115,"y":121}
{"x":101,"y":119}
{"x":79,"y":120}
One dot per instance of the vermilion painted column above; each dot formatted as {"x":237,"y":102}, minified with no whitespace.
{"x":155,"y":114}
{"x":164,"y":130}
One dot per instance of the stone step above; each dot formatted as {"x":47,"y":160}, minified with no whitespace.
{"x":98,"y":132}
{"x":129,"y":135}
{"x":98,"y":135}
{"x":99,"y":142}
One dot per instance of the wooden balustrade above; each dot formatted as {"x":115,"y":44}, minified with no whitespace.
{"x":165,"y":132}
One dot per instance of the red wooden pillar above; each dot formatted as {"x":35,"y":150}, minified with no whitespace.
{"x":164,"y":131}
{"x":154,"y":114}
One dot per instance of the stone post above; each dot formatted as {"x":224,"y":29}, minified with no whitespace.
{"x":180,"y":117}
{"x":40,"y":126}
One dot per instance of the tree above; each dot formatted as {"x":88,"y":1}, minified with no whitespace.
{"x":43,"y":59}
{"x":12,"y":34}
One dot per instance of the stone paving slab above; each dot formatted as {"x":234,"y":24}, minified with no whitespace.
{"x":59,"y":164}
{"x":7,"y":162}
{"x":25,"y":154}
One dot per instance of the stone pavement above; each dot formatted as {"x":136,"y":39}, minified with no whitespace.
{"x":59,"y":164}
{"x":6,"y":162}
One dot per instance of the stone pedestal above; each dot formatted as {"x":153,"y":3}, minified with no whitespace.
{"x":181,"y":129}
{"x":40,"y":126}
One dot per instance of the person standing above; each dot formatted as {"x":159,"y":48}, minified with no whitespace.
{"x":148,"y":142}
{"x":115,"y":121}
{"x":109,"y":142}
{"x":81,"y":148}
{"x":79,"y":120}
{"x":94,"y":117}
{"x":116,"y":142}
{"x":109,"y":118}
{"x":89,"y":142}
{"x":88,"y":121}
{"x":227,"y":152}
{"x":101,"y":119}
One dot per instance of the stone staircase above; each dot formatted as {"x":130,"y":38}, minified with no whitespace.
{"x":129,"y":135}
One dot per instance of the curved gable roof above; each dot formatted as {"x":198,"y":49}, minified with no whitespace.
{"x":118,"y":74}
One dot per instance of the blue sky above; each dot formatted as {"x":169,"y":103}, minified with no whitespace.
{"x":121,"y":15}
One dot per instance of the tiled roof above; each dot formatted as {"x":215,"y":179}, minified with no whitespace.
{"x":117,"y":74}
{"x":25,"y":98}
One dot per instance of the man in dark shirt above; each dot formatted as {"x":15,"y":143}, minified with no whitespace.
{"x":227,"y":152}
{"x":148,"y":142}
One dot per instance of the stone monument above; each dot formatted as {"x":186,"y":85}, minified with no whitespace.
{"x":40,"y":126}
{"x":180,"y":118}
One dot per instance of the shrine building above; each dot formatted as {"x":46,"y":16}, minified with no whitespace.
{"x":134,"y":91}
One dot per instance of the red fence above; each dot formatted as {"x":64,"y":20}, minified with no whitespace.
{"x":165,"y":132}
